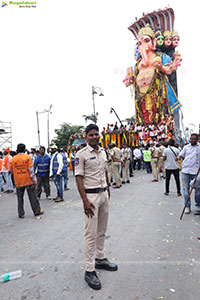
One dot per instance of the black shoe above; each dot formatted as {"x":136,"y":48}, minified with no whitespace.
{"x":128,"y":181}
{"x":197,"y":213}
{"x":92,"y":280}
{"x":123,"y":182}
{"x":105,"y":264}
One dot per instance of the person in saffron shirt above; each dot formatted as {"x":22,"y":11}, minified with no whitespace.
{"x":22,"y":168}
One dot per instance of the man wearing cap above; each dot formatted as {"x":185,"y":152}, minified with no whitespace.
{"x":116,"y":163}
{"x":56,"y":167}
{"x":155,"y":154}
{"x":125,"y":164}
{"x":92,"y":184}
{"x":22,"y":168}
{"x":5,"y":163}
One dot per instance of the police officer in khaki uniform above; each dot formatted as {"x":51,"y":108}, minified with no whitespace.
{"x":92,"y":183}
{"x":161,"y":162}
{"x":155,"y":154}
{"x":125,"y":164}
{"x":109,"y":159}
{"x":116,"y":163}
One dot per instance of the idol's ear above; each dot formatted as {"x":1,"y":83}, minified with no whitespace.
{"x":154,"y":44}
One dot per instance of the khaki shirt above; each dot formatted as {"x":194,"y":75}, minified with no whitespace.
{"x":155,"y":151}
{"x":116,"y":154}
{"x":125,"y":153}
{"x":92,"y":165}
{"x":109,"y":156}
{"x":162,"y":148}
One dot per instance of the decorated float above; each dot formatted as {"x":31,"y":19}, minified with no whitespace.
{"x":153,"y":78}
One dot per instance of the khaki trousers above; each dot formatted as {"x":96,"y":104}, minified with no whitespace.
{"x":161,"y":163}
{"x":109,"y":172}
{"x":125,"y":171}
{"x":154,"y":165}
{"x":116,"y":170}
{"x":95,"y":230}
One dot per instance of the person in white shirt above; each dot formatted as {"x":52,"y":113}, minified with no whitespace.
{"x":169,"y":156}
{"x":190,"y":165}
{"x":137,"y":158}
{"x":56,"y":167}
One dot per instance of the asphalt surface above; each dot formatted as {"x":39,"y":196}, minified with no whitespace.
{"x":157,"y":254}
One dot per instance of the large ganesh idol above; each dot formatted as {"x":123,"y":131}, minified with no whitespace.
{"x":154,"y":96}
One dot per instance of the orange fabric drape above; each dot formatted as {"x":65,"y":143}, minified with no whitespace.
{"x":70,"y":163}
{"x":118,"y":140}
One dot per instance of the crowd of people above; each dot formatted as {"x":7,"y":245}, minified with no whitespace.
{"x":145,"y":133}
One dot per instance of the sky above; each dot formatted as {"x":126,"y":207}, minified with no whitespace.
{"x":53,"y":54}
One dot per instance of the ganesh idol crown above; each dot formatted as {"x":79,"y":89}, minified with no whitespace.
{"x":153,"y":77}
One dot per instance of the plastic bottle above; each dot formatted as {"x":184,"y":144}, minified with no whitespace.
{"x":10,"y":276}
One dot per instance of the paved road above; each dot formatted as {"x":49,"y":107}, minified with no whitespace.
{"x":157,"y":254}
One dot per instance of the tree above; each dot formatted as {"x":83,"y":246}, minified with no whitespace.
{"x":64,"y":133}
{"x":91,"y":117}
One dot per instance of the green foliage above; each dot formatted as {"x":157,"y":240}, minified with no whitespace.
{"x":64,"y":133}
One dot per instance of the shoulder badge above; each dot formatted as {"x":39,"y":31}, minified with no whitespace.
{"x":76,"y":161}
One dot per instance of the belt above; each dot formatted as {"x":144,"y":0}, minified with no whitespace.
{"x":154,"y":157}
{"x":114,"y":160}
{"x":95,"y":191}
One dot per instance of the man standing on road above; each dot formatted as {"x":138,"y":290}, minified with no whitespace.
{"x":5,"y":163}
{"x":1,"y":177}
{"x":116,"y":163}
{"x":92,"y":184}
{"x":137,"y":158}
{"x":22,"y":167}
{"x":109,"y":160}
{"x":56,"y":167}
{"x":170,"y":157}
{"x":41,"y":165}
{"x":147,"y":159}
{"x":161,"y":162}
{"x":155,"y":153}
{"x":65,"y":168}
{"x":190,"y":166}
{"x":125,"y":164}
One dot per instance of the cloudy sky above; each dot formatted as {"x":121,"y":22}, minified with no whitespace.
{"x":55,"y":53}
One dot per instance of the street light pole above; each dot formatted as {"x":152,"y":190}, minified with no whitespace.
{"x":112,"y":110}
{"x":48,"y":111}
{"x":95,"y":90}
{"x":38,"y":128}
